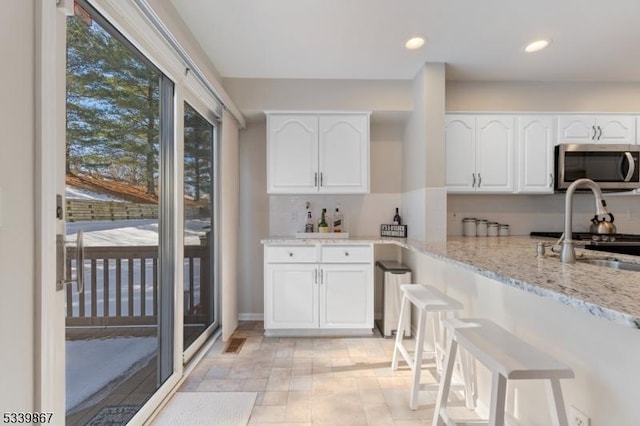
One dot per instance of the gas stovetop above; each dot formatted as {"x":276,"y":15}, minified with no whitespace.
{"x":618,"y":239}
{"x":615,"y":243}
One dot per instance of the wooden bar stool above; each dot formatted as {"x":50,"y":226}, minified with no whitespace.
{"x":428,"y":301}
{"x":508,"y":358}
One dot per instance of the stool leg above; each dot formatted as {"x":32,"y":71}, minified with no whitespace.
{"x":399,"y":333}
{"x":445,"y":382}
{"x":468,"y":376}
{"x":418,"y":353}
{"x":498,"y":399}
{"x":437,"y":341}
{"x":556,"y":402}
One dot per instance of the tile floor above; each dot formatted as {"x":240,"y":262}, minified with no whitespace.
{"x":314,"y":381}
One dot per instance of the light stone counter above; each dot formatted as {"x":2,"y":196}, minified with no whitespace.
{"x":604,"y":292}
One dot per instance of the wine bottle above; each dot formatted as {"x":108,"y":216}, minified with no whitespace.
{"x":337,"y":221}
{"x":396,"y":219}
{"x":323,"y":226}
{"x":308,"y":226}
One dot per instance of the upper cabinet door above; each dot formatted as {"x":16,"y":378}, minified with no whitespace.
{"x":494,"y":153}
{"x":614,"y":129}
{"x":535,"y":154}
{"x":460,"y":142}
{"x":344,"y":153}
{"x":577,"y":129}
{"x":292,"y":154}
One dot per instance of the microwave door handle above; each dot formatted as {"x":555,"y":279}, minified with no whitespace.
{"x":632,"y":167}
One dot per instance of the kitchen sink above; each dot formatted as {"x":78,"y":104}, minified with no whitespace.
{"x":612,"y":263}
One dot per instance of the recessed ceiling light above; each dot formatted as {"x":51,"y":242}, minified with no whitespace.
{"x":414,"y":43}
{"x":537,"y":45}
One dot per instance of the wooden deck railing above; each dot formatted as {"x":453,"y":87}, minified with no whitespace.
{"x":121,"y":285}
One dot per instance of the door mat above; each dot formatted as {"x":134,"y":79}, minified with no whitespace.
{"x":207,"y":408}
{"x":234,"y":345}
{"x":114,"y":415}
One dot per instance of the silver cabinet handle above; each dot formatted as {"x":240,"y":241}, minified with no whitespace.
{"x":479,"y":180}
{"x":599,"y":134}
{"x":594,"y":133}
{"x":321,"y":179}
{"x":321,"y":277}
{"x":473,"y":185}
{"x":550,"y":180}
{"x":315,"y":179}
{"x":315,"y":281}
{"x":632,"y":167}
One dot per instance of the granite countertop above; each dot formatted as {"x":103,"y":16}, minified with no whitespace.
{"x":604,"y":292}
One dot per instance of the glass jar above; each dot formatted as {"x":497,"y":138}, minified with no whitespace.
{"x":469,"y":226}
{"x":492,"y":229}
{"x":503,"y":230}
{"x":481,"y":228}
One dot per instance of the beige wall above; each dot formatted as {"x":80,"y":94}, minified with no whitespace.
{"x":542,"y":96}
{"x":390,"y":101}
{"x":262,"y":215}
{"x":229,"y":224}
{"x":17,"y":220}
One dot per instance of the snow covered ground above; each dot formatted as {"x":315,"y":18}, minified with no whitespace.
{"x":92,"y":366}
{"x":74,"y":193}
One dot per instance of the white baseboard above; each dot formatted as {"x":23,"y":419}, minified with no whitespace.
{"x":250,"y":317}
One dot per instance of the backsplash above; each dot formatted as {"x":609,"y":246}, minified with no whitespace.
{"x":527,"y":213}
{"x":363,"y":214}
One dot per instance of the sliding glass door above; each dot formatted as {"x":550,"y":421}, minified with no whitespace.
{"x":119,"y":153}
{"x":199,"y":289}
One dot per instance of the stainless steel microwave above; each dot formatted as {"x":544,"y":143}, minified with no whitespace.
{"x":612,"y":167}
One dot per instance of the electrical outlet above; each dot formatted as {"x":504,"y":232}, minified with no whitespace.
{"x":577,"y":417}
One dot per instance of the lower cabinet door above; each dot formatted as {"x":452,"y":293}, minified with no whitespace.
{"x":291,"y":296}
{"x":346,"y":296}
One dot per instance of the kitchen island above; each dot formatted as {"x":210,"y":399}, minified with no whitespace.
{"x":584,"y":315}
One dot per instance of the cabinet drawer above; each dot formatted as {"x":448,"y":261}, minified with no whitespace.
{"x":290,"y":254}
{"x":342,"y":254}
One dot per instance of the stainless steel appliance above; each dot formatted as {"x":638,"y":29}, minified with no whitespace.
{"x":615,"y":243}
{"x":389,"y":276}
{"x":613,"y":167}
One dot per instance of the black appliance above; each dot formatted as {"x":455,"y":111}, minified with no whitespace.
{"x":618,"y":243}
{"x":613,"y":167}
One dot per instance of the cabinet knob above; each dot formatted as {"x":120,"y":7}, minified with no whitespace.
{"x":346,"y":253}
{"x":290,"y":254}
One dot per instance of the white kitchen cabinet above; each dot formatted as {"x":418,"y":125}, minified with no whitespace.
{"x":535,"y":154}
{"x":479,"y":153}
{"x":311,"y":153}
{"x":613,"y":129}
{"x":346,"y":296}
{"x":331,"y":290}
{"x":291,"y":296}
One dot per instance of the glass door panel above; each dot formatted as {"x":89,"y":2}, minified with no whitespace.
{"x":115,"y":135}
{"x":199,"y":273}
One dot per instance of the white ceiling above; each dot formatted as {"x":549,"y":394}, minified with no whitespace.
{"x":593,"y":40}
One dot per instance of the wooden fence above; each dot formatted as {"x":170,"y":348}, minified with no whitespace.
{"x":80,"y":210}
{"x":121,"y":286}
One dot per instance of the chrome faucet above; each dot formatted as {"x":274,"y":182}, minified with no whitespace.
{"x":567,"y":250}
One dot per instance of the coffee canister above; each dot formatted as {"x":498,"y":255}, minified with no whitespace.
{"x":492,"y":229}
{"x":469,"y":227}
{"x":481,"y":228}
{"x":503,"y":230}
